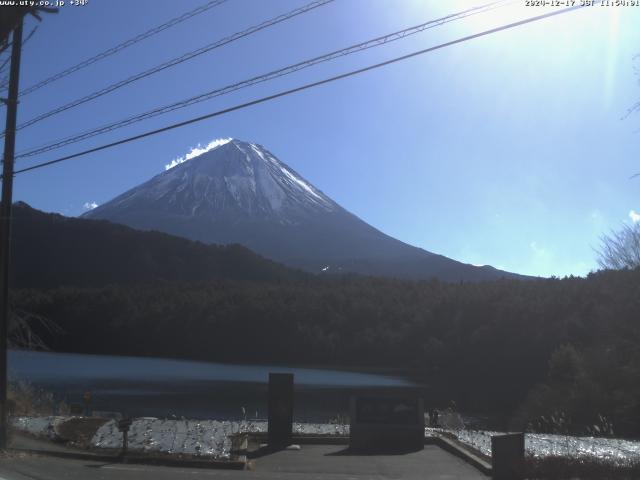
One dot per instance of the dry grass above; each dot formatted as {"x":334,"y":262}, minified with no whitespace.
{"x":561,"y":468}
{"x":25,"y":399}
{"x":79,"y":431}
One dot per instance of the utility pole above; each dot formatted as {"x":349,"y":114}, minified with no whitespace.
{"x":5,"y":223}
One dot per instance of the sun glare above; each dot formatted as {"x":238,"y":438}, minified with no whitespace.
{"x":496,"y":13}
{"x":478,"y":15}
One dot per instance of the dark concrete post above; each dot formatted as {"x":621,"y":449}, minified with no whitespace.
{"x":86,"y":398}
{"x":280,"y":409}
{"x":123,"y":426}
{"x":507,"y":456}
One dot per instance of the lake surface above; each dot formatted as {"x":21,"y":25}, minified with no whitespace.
{"x":174,"y":388}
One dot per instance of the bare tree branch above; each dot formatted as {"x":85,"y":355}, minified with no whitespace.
{"x":21,"y":330}
{"x":621,"y":249}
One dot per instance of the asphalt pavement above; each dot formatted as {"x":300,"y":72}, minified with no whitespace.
{"x":317,"y":462}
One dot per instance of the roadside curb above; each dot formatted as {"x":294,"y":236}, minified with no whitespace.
{"x":310,"y":439}
{"x":139,"y":459}
{"x":460,"y":451}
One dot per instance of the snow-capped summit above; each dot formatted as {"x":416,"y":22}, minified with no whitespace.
{"x":232,"y":191}
{"x":232,"y":178}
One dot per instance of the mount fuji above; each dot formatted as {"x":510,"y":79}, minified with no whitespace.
{"x":239,"y":192}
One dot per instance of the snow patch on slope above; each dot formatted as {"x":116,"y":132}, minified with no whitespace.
{"x":300,"y":182}
{"x":280,"y":179}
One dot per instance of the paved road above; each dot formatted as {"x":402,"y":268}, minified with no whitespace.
{"x":23,"y":441}
{"x":332,"y":461}
{"x":317,"y":462}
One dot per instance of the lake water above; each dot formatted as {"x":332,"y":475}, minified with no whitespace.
{"x":175,"y":388}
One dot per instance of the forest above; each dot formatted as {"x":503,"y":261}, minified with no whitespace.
{"x":550,"y":355}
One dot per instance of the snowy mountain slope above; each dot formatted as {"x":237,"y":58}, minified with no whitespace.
{"x":238,"y":192}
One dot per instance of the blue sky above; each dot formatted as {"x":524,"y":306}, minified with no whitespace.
{"x":509,"y":150}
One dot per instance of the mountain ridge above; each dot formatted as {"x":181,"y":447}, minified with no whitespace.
{"x":50,"y":250}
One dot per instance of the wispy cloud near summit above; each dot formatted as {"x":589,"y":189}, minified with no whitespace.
{"x":195,"y":151}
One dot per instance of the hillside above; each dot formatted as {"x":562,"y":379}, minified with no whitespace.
{"x":50,"y":250}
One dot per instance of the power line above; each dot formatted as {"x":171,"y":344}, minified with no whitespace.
{"x":4,"y":83}
{"x":24,"y":42}
{"x":176,"y":61}
{"x":301,"y":88}
{"x":5,"y":63}
{"x":263,"y":78}
{"x":132,"y":41}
